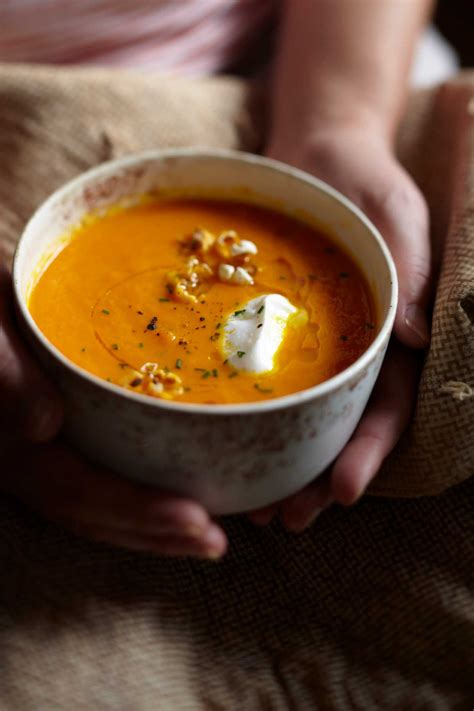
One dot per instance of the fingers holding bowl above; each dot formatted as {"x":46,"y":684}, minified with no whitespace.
{"x":56,"y":482}
{"x":208,"y":546}
{"x":398,"y":208}
{"x":384,"y":421}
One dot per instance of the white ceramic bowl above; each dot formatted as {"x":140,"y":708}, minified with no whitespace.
{"x":230,"y":457}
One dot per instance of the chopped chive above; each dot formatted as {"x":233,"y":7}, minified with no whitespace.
{"x":233,"y":374}
{"x":261,"y":309}
{"x":258,"y":387}
{"x":240,"y":353}
{"x":238,"y":313}
{"x":140,"y":345}
{"x":214,"y":373}
{"x":218,"y":325}
{"x":115,"y":346}
{"x":179,"y":363}
{"x":201,"y":370}
{"x":206,"y":374}
{"x":343,"y":338}
{"x":106,"y":312}
{"x":163,"y":298}
{"x":166,"y":369}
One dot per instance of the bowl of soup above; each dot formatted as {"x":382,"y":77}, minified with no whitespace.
{"x":215,"y":320}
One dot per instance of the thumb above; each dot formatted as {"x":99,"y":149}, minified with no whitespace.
{"x":403,"y":220}
{"x":30,"y":406}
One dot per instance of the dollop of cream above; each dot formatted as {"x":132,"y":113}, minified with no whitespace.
{"x":254,"y":333}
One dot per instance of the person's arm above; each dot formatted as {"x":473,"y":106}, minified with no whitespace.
{"x":339,"y":86}
{"x":343,"y":62}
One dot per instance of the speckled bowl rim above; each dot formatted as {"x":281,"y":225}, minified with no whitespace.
{"x":248,"y":408}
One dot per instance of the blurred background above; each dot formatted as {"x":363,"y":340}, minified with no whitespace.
{"x":455,"y":20}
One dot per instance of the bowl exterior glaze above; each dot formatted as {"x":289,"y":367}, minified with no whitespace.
{"x":230,"y":457}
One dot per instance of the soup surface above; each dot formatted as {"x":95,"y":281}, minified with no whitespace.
{"x":204,"y":301}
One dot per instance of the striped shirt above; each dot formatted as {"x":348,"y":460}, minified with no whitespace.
{"x":190,"y":37}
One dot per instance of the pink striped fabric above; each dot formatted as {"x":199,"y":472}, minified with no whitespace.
{"x":187,"y":36}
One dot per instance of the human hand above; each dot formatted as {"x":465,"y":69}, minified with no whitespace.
{"x":53,"y":480}
{"x":362,"y":166}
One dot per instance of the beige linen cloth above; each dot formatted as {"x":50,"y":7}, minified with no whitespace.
{"x":370,"y":609}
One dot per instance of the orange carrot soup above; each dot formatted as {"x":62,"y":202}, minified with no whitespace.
{"x":204,"y":301}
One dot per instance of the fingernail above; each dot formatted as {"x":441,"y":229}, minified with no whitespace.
{"x":213,"y":543}
{"x":313,"y":518}
{"x":42,"y":421}
{"x":193,"y":531}
{"x":415,"y":319}
{"x":301,"y":527}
